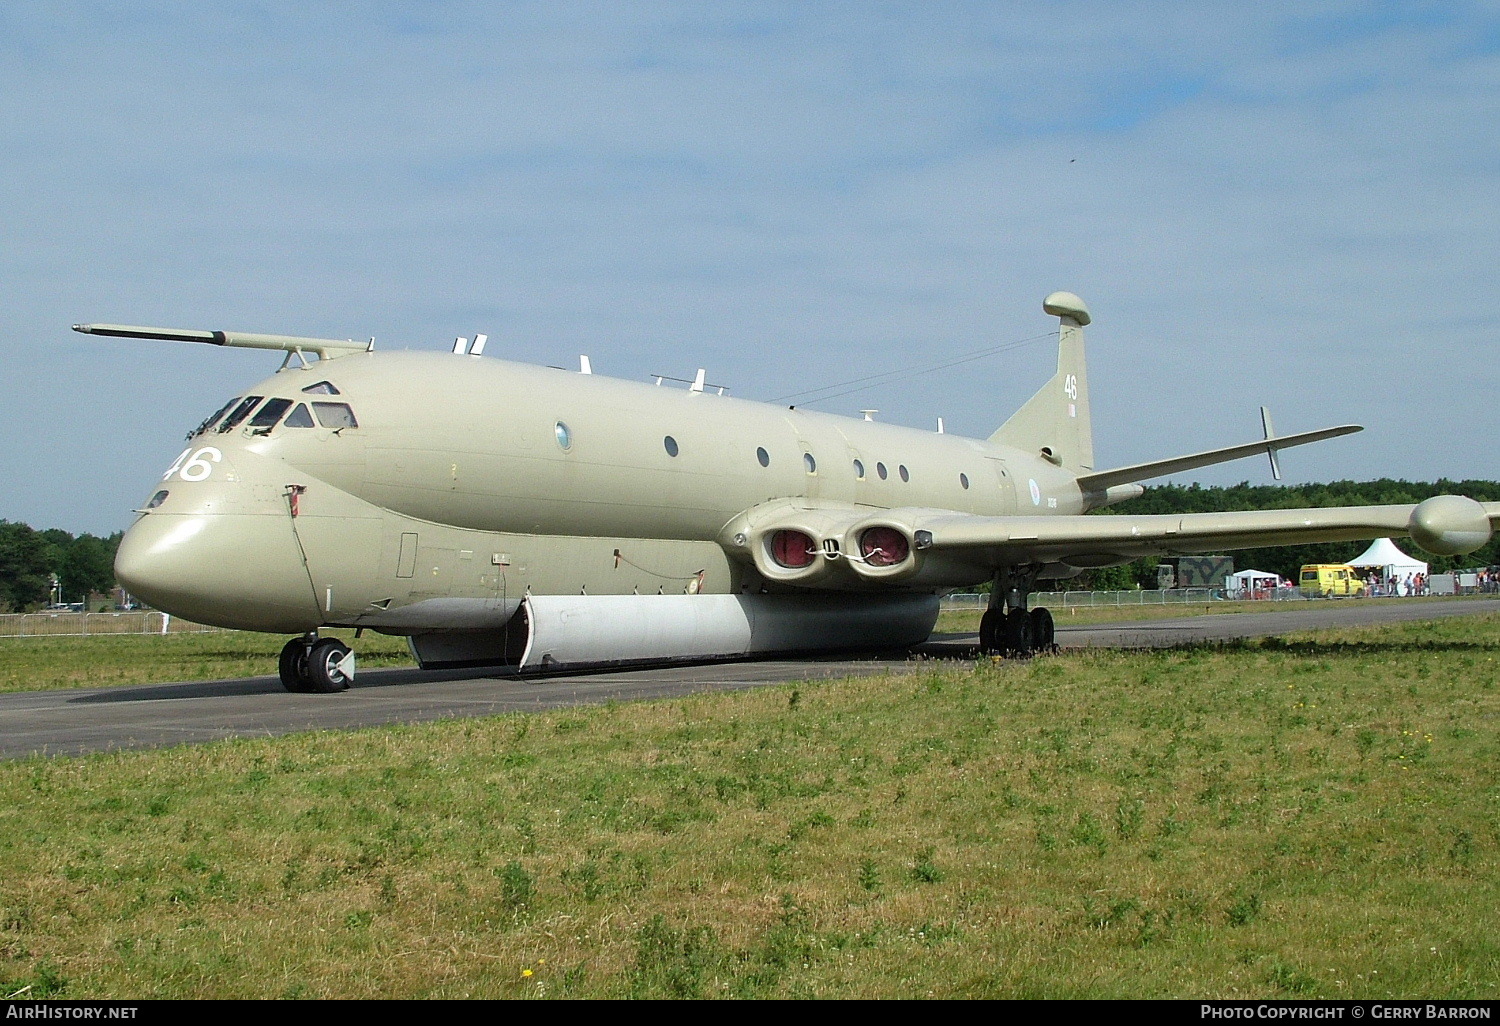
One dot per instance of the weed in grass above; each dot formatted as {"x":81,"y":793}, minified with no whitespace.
{"x":1130,"y":815}
{"x":44,"y":981}
{"x":1244,"y":910}
{"x":674,"y":963}
{"x":1291,"y":979}
{"x":516,"y":886}
{"x":1461,"y":853}
{"x":869,"y":875}
{"x":923,"y":870}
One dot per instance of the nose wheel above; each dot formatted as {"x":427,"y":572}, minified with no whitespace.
{"x":322,"y":665}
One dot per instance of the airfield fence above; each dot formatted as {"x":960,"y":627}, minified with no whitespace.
{"x":81,"y":625}
{"x":1133,"y":597}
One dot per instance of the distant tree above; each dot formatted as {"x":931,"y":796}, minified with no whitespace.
{"x":84,"y":565}
{"x":25,"y":567}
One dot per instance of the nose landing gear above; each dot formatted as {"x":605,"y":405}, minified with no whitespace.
{"x":313,"y":664}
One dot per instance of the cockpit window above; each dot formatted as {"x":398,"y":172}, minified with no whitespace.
{"x":321,"y":388}
{"x":240,"y":412}
{"x":267,"y":416}
{"x":211,"y":421}
{"x":335,"y":415}
{"x":299,"y":417}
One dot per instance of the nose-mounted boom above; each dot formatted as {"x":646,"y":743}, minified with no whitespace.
{"x":292,"y":345}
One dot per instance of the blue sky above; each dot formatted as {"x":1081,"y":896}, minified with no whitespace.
{"x":1294,"y":205}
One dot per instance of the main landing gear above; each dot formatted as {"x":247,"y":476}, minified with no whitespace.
{"x":1008,"y":627}
{"x":313,"y":664}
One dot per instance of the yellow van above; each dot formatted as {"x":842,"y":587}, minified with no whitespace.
{"x":1325,"y":580}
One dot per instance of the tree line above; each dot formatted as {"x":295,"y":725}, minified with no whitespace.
{"x":84,"y":565}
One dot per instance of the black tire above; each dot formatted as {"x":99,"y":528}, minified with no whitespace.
{"x":292,"y":666}
{"x":1018,"y":633}
{"x":323,"y":673}
{"x":1043,"y":630}
{"x":989,"y":624}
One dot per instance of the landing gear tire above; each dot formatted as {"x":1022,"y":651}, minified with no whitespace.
{"x":989,"y":630}
{"x":293,"y":666}
{"x":1043,"y":631}
{"x":325,"y":666}
{"x":1018,"y":641}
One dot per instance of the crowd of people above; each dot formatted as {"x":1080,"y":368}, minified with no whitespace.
{"x":1485,"y":580}
{"x":1395,"y":586}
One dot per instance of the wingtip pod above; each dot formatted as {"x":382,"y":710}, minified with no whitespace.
{"x":1449,"y":525}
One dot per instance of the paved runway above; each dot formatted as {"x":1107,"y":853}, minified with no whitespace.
{"x":156,"y":715}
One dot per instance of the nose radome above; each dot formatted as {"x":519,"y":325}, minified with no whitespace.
{"x":238,"y":570}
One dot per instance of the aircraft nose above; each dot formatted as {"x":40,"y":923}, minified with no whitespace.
{"x":243,"y":571}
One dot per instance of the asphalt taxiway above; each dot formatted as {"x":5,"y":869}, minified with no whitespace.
{"x":78,"y":721}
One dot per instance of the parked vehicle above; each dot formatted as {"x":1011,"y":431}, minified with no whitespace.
{"x":1329,"y":580}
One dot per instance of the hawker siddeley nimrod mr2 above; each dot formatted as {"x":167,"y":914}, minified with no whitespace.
{"x":500,"y":514}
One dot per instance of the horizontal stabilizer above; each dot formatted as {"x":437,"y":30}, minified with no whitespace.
{"x":1103,"y":479}
{"x":326,"y":348}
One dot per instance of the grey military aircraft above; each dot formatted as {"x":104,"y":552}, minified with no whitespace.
{"x":501,"y":514}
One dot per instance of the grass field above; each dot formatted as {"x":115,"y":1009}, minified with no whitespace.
{"x":1290,"y":818}
{"x":45,"y":663}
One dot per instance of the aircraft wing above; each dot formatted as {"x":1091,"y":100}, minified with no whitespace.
{"x":836,"y":545}
{"x":1445,"y":524}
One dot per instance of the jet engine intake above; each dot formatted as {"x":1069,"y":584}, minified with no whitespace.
{"x":792,"y":543}
{"x":887,"y":551}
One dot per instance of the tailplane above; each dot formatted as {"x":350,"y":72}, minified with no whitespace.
{"x":1055,"y":422}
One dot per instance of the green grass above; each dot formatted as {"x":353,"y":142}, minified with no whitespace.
{"x":1282,"y":819}
{"x":49,"y":663}
{"x":967,"y":620}
{"x":44,"y":664}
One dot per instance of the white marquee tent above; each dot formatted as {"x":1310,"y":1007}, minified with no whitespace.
{"x":1383,"y":555}
{"x":1253,"y":581}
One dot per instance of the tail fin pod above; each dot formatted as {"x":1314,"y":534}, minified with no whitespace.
{"x":1055,"y":422}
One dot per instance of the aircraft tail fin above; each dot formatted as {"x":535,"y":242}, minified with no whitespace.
{"x":1055,"y":422}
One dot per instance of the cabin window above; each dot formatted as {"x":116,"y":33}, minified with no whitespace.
{"x":905,"y":475}
{"x":880,"y":471}
{"x":211,"y":421}
{"x":299,"y":417}
{"x":267,"y":416}
{"x":963,"y":479}
{"x":335,"y":415}
{"x":322,"y":388}
{"x":563,"y":435}
{"x":859,"y":470}
{"x":671,"y":445}
{"x":240,"y":412}
{"x":763,"y":456}
{"x":809,"y":464}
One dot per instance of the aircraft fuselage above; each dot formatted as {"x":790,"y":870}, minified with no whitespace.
{"x":457,"y":485}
